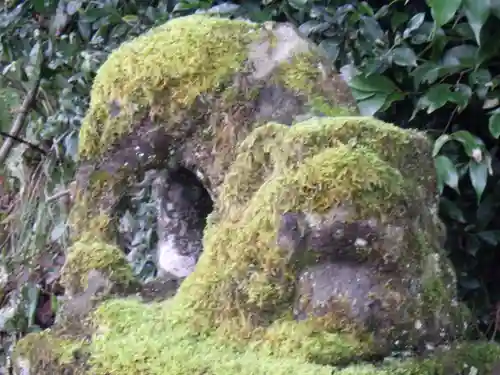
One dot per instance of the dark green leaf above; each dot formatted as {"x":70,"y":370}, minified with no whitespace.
{"x":446,"y":173}
{"x":478,"y":173}
{"x":397,"y":19}
{"x":362,"y":95}
{"x":439,"y":143}
{"x":373,"y":83}
{"x":313,"y":26}
{"x":465,"y":32}
{"x":371,"y":30}
{"x":472,"y":244}
{"x":369,"y":107}
{"x":494,"y":123}
{"x":443,"y":10}
{"x":461,"y":96}
{"x":436,"y":97}
{"x":480,"y":77}
{"x":331,"y":47}
{"x":298,"y":4}
{"x":470,"y":142}
{"x":491,"y":237}
{"x":469,"y":283}
{"x":415,"y":22}
{"x":426,"y":73}
{"x":463,"y":56}
{"x":366,"y":9}
{"x":382,"y":12}
{"x":391,"y":98}
{"x":450,"y":209}
{"x":404,"y":56}
{"x":495,"y":7}
{"x":477,"y":12}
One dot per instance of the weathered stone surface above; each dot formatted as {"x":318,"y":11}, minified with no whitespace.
{"x":323,"y":251}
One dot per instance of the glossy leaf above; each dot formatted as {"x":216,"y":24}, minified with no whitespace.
{"x":371,"y":29}
{"x":331,"y":48}
{"x":373,"y":83}
{"x":463,"y":56}
{"x":491,"y":237}
{"x":494,"y":124}
{"x":369,"y":107}
{"x":415,"y":22}
{"x":477,"y":12}
{"x":439,"y":143}
{"x":478,"y":173}
{"x":470,"y":142}
{"x":436,"y":97}
{"x":298,"y":4}
{"x":446,"y":173}
{"x":427,"y":73}
{"x":450,"y":209}
{"x":404,"y":56}
{"x":443,"y":10}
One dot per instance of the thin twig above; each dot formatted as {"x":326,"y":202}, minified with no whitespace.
{"x":18,"y":123}
{"x":20,"y":140}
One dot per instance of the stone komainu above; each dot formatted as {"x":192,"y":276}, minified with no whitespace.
{"x":323,"y":252}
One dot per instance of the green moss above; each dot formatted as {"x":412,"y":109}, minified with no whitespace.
{"x":138,"y":338}
{"x":304,"y":74}
{"x":272,"y":147}
{"x":312,"y":167}
{"x":135,"y":338}
{"x":46,"y":351}
{"x":332,"y":177}
{"x":86,"y":255}
{"x":162,"y":72}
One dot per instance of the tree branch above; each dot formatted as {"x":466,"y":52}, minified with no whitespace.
{"x":20,"y":140}
{"x":18,"y":123}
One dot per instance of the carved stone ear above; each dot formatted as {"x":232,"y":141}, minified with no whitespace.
{"x":291,"y":236}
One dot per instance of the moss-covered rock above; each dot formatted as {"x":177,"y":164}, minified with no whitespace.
{"x":188,"y":91}
{"x":344,"y":203}
{"x":88,"y":255}
{"x":49,"y":353}
{"x":135,"y":338}
{"x":340,"y":172}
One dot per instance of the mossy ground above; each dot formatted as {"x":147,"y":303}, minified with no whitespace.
{"x":135,"y":338}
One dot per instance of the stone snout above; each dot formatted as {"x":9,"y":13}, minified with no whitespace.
{"x":353,"y":272}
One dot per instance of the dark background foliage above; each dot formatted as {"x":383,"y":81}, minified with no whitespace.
{"x":432,"y":65}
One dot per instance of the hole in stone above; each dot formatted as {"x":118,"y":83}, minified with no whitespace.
{"x":165,"y":209}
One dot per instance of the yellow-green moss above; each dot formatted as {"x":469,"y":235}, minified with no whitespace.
{"x":242,"y":282}
{"x":162,"y":71}
{"x":140,"y":338}
{"x":241,"y":276}
{"x":86,"y":255}
{"x":135,"y":338}
{"x":45,"y":351}
{"x":272,"y":147}
{"x":304,"y":74}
